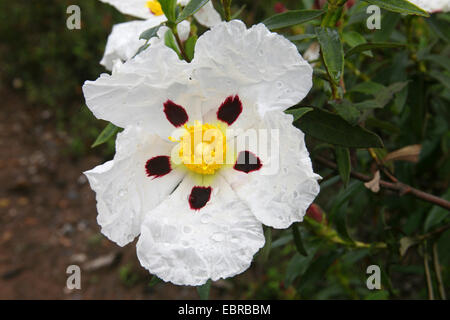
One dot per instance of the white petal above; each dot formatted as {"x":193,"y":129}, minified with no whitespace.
{"x":281,"y":191}
{"x":123,"y":42}
{"x":183,"y":29}
{"x":123,"y":190}
{"x":207,"y":15}
{"x":261,"y":66}
{"x":135,"y":8}
{"x":136,"y":92}
{"x":188,"y":247}
{"x":433,"y":5}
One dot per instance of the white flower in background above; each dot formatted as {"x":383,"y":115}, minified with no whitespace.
{"x":200,"y":221}
{"x":124,"y":42}
{"x":433,"y":6}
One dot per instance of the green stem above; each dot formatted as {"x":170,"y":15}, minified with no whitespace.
{"x":227,"y":9}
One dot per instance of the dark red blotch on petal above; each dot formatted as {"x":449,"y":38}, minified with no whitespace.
{"x":247,"y":162}
{"x":199,"y":197}
{"x":175,"y":113}
{"x":158,"y":166}
{"x":230,"y":109}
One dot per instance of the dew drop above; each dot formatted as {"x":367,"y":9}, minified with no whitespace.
{"x":205,"y":218}
{"x":218,"y":237}
{"x":187,"y":229}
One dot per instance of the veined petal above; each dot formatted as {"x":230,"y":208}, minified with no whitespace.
{"x":187,"y":246}
{"x":208,"y":16}
{"x":261,"y":67}
{"x":432,"y":6}
{"x":136,"y":92}
{"x":135,"y":8}
{"x":285,"y":185}
{"x":124,"y":42}
{"x":124,"y":191}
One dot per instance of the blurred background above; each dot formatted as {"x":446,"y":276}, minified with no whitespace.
{"x":47,"y":209}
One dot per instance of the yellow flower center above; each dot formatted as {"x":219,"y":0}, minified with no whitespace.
{"x":155,"y":7}
{"x":203,"y":147}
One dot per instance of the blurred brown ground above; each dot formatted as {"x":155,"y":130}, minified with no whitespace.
{"x":48,"y":218}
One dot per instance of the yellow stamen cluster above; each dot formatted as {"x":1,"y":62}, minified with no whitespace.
{"x":155,"y":7}
{"x":203,"y":147}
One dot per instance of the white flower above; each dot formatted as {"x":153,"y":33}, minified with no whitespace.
{"x":202,"y":221}
{"x":432,"y":6}
{"x":124,"y":42}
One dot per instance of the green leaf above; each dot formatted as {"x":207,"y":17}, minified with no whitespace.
{"x":169,"y":40}
{"x":374,"y":45}
{"x":317,"y":269}
{"x":440,"y":27}
{"x":238,"y":13}
{"x":300,"y":37}
{"x":291,"y":18}
{"x":332,"y":52}
{"x":297,"y":266}
{"x":149,"y":33}
{"x":353,"y":39}
{"x":168,"y":7}
{"x":437,"y":214}
{"x":192,"y":7}
{"x":203,"y":291}
{"x":107,"y":133}
{"x":399,"y":6}
{"x":347,"y":110}
{"x":154,"y":281}
{"x":343,"y":163}
{"x":189,"y":46}
{"x":331,"y":128}
{"x":298,"y":112}
{"x":298,"y":240}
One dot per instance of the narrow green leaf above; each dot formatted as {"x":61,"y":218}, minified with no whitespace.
{"x":298,"y":112}
{"x":298,"y":240}
{"x":300,"y":37}
{"x":331,"y":128}
{"x":378,"y":295}
{"x":238,"y":13}
{"x":318,"y":268}
{"x":189,"y":46}
{"x":437,"y":215}
{"x":332,"y":52}
{"x":192,"y":7}
{"x":107,"y":133}
{"x":343,"y":163}
{"x":169,"y":40}
{"x":168,"y":7}
{"x":154,"y":281}
{"x":440,"y":27}
{"x":399,"y":6}
{"x":374,"y":45}
{"x":203,"y":290}
{"x":149,"y":33}
{"x":347,"y":110}
{"x":353,"y":39}
{"x":291,"y":18}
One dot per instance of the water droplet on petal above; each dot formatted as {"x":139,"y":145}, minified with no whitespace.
{"x":205,"y":218}
{"x":218,"y":237}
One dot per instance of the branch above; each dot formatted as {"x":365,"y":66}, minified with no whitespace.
{"x":400,"y":187}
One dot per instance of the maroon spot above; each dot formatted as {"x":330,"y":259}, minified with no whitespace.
{"x":247,"y":162}
{"x":199,"y":197}
{"x":175,"y":113}
{"x":230,"y":109}
{"x":158,"y":166}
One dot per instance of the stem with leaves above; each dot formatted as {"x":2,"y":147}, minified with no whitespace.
{"x":400,"y":187}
